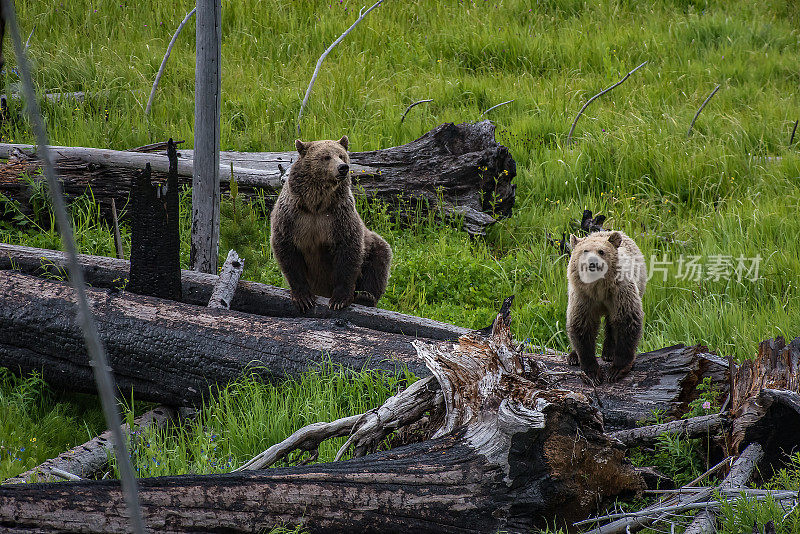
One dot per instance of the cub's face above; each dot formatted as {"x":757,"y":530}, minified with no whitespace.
{"x":326,"y":160}
{"x":594,"y":256}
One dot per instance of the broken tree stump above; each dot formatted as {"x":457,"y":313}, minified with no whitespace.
{"x":513,"y":455}
{"x":765,"y":401}
{"x":458,"y":170}
{"x":155,"y":239}
{"x":225,"y":288}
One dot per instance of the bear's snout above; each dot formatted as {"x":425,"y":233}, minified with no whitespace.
{"x":592,"y":268}
{"x":343,"y":169}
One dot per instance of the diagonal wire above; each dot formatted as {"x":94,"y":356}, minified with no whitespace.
{"x":102,"y":371}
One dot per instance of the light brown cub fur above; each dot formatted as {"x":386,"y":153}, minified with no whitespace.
{"x":615,"y":292}
{"x":317,"y":236}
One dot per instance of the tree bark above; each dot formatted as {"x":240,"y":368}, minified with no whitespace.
{"x":228,"y":279}
{"x":458,"y":170}
{"x":704,"y":425}
{"x":250,"y":297}
{"x":765,"y":402}
{"x":90,"y":458}
{"x":513,"y":455}
{"x":170,"y":352}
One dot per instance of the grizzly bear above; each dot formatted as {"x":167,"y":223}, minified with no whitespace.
{"x":317,"y":236}
{"x":606,"y":277}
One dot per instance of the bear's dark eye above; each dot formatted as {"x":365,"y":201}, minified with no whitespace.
{"x":601,"y":252}
{"x":326,"y":158}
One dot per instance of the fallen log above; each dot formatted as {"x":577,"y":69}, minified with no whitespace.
{"x":459,"y":170}
{"x":170,"y":352}
{"x":250,"y":297}
{"x":87,"y":460}
{"x":663,"y":380}
{"x":513,"y":455}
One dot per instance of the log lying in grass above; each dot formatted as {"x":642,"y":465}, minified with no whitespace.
{"x":89,"y":459}
{"x":662,"y":380}
{"x":460,"y":169}
{"x":506,"y":459}
{"x":250,"y":297}
{"x":704,"y":425}
{"x":170,"y":352}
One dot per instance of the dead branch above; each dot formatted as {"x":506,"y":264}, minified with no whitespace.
{"x":166,"y":57}
{"x":361,"y":15}
{"x":595,"y":97}
{"x":496,"y":106}
{"x":225,"y":287}
{"x":418,"y":102}
{"x":689,"y":133}
{"x":703,"y":425}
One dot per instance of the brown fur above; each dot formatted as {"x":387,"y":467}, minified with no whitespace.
{"x":317,"y":236}
{"x":617,"y":296}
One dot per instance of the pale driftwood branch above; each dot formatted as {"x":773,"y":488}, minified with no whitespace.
{"x":117,"y":236}
{"x":689,"y":133}
{"x":690,"y":428}
{"x":400,"y":410}
{"x":327,"y":51}
{"x":496,"y":106}
{"x":64,"y":474}
{"x":307,"y":438}
{"x":595,"y":97}
{"x":742,"y":470}
{"x":166,"y":57}
{"x":418,"y":102}
{"x":84,"y":461}
{"x":225,"y":287}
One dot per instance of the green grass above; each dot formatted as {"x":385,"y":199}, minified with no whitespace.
{"x":248,"y":416}
{"x":35,"y":424}
{"x":715,"y":194}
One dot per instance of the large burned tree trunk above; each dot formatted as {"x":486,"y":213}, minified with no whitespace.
{"x":174,"y":334}
{"x":458,"y":169}
{"x":513,"y":455}
{"x":170,"y":352}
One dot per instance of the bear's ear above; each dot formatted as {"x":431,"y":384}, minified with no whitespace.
{"x":615,"y":239}
{"x":301,"y":147}
{"x":344,"y":141}
{"x":573,"y":240}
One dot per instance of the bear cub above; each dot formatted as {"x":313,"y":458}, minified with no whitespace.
{"x":606,"y":278}
{"x":318,"y":237}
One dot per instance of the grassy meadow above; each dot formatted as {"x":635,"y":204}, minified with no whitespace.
{"x":725,"y":195}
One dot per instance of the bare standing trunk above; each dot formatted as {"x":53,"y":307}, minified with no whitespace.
{"x":205,"y":182}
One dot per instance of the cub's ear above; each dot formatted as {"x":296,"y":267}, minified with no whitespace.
{"x":573,"y":240}
{"x":344,"y":141}
{"x":301,"y":147}
{"x":615,"y":239}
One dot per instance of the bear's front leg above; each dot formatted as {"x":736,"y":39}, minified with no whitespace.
{"x":627,"y":333}
{"x":582,"y":329}
{"x":347,"y":258}
{"x":609,"y":343}
{"x":293,"y":266}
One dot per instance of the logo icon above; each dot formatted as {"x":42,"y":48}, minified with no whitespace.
{"x":592,"y":268}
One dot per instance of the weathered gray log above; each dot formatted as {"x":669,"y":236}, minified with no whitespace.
{"x":509,"y":461}
{"x":459,"y":170}
{"x":225,"y":287}
{"x":170,"y":352}
{"x":207,"y":103}
{"x":705,"y":521}
{"x":250,"y":297}
{"x":89,"y":459}
{"x":704,"y":425}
